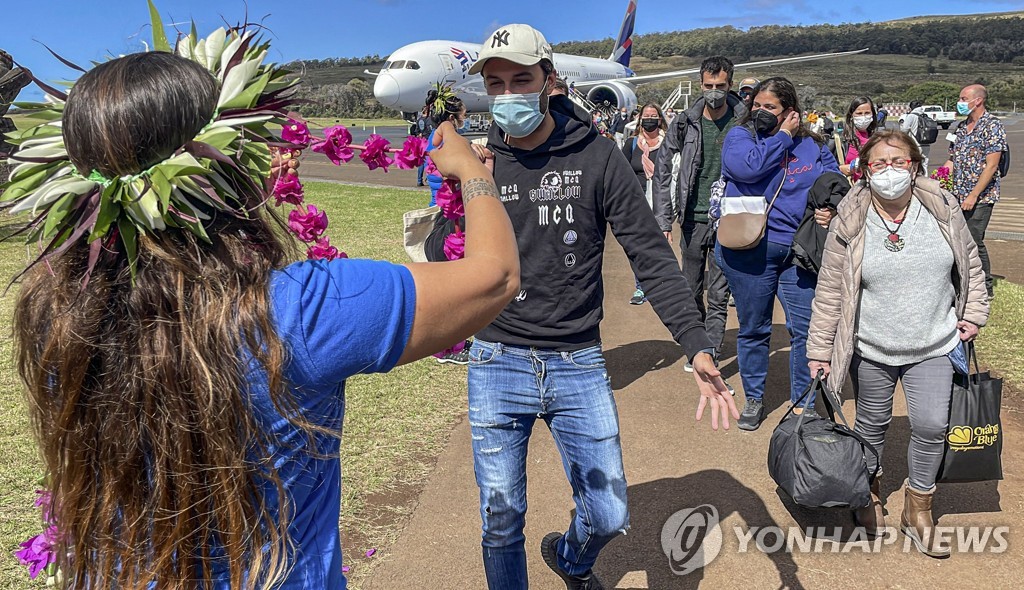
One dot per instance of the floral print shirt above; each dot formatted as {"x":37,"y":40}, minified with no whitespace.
{"x":968,"y":153}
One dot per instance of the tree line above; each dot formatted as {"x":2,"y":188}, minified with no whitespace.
{"x":352,"y":99}
{"x":333,"y":62}
{"x":996,"y":40}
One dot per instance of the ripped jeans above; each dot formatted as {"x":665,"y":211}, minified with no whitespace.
{"x":509,"y":388}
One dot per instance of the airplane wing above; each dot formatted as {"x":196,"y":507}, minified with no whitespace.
{"x":754,"y":64}
{"x":371,"y":73}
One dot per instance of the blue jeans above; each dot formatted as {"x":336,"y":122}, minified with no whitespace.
{"x":419,"y":172}
{"x":756,"y":277}
{"x":509,"y":388}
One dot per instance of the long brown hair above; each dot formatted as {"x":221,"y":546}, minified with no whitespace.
{"x":783,"y":90}
{"x":850,"y":130}
{"x":137,"y":388}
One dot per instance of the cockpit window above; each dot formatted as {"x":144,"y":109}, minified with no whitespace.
{"x":412,"y":65}
{"x":386,"y":65}
{"x":398,"y":65}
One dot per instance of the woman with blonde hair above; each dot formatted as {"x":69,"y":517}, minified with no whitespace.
{"x":900,"y":288}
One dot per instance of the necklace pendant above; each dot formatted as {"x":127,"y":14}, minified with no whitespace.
{"x":894,"y":243}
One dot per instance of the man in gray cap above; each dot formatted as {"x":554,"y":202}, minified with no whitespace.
{"x":746,"y":90}
{"x":541,"y":358}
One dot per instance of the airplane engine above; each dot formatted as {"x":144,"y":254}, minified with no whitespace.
{"x":618,"y":94}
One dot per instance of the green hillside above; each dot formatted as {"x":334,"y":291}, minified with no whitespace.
{"x":929,"y":57}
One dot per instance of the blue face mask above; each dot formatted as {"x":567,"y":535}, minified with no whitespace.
{"x":517,"y":114}
{"x":964,"y":108}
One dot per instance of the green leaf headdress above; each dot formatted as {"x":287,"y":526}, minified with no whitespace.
{"x":229,"y":156}
{"x":445,"y":95}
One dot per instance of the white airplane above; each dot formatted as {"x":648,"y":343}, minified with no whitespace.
{"x":412,"y":70}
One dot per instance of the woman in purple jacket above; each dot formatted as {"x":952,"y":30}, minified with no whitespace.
{"x":768,"y":150}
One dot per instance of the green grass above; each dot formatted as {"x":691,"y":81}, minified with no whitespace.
{"x":395,"y":424}
{"x":20,"y":466}
{"x":1001,"y":342}
{"x":838,"y":80}
{"x":321,"y":122}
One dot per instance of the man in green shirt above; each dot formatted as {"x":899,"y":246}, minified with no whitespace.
{"x":695,"y":137}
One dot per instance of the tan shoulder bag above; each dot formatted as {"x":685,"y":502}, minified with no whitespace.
{"x":743,"y":231}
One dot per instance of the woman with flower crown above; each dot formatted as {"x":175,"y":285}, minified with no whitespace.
{"x":443,"y":105}
{"x":186,"y":383}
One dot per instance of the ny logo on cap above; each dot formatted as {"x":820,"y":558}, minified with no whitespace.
{"x":500,"y":38}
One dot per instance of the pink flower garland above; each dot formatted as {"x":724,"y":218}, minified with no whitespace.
{"x":307,"y":222}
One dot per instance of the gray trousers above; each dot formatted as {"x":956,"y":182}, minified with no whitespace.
{"x":698,"y":241}
{"x":928,"y":386}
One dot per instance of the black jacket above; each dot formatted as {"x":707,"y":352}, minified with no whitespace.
{"x":561,"y":198}
{"x":809,"y":239}
{"x":683,"y":137}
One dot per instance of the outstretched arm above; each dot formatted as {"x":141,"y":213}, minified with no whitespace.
{"x":670,"y":295}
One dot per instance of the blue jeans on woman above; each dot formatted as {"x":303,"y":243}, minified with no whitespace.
{"x":756,"y":277}
{"x":510,"y":387}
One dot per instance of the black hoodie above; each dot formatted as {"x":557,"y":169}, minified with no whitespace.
{"x":561,"y":196}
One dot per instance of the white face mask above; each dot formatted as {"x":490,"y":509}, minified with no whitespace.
{"x":862,"y":122}
{"x":891,"y":183}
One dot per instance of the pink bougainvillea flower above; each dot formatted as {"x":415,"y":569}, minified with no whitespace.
{"x":44,"y":501}
{"x":37,"y":552}
{"x":371,"y":552}
{"x":323,"y":250}
{"x":455,"y":245}
{"x":449,"y":199}
{"x":431,"y":170}
{"x":308,"y":225}
{"x":288,"y":189}
{"x":296,"y":132}
{"x":43,"y":498}
{"x":413,"y":151}
{"x":345,"y":569}
{"x":375,"y":153}
{"x":336,"y":144}
{"x":453,"y":350}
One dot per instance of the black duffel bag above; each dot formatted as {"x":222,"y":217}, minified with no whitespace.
{"x":818,"y":462}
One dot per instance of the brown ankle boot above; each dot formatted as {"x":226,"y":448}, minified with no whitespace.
{"x":916,"y":522}
{"x":872,"y":517}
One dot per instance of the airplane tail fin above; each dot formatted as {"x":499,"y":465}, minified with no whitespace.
{"x":624,"y":43}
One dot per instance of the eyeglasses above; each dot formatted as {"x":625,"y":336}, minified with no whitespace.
{"x":900,"y":163}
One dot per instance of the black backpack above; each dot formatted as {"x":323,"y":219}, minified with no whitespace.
{"x":927,"y":129}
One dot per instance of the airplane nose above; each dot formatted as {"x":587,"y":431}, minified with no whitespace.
{"x":386,"y":90}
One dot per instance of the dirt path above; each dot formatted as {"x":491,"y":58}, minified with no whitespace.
{"x":673,"y":463}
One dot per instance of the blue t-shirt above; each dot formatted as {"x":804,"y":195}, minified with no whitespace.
{"x":433,"y":180}
{"x":336,"y":319}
